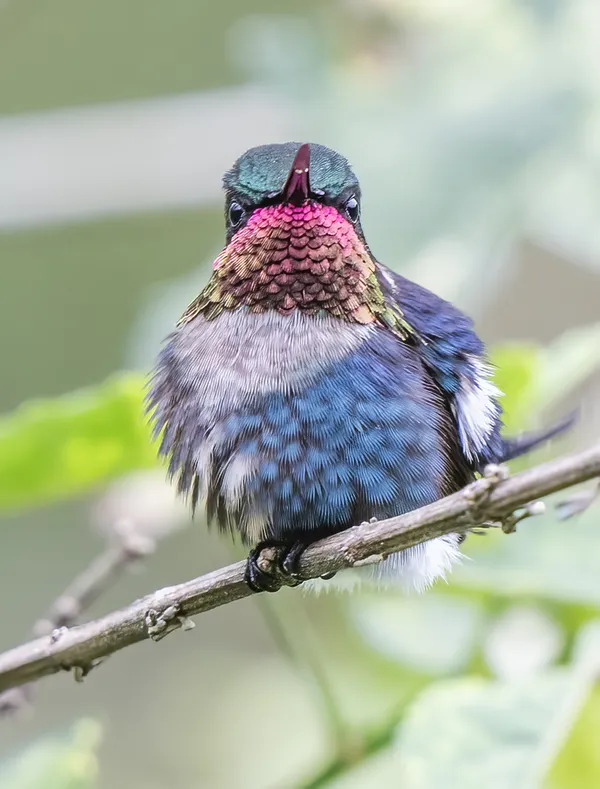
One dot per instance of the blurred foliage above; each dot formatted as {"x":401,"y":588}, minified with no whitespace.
{"x":481,"y":732}
{"x":534,"y":378}
{"x":67,"y":762}
{"x":505,"y":567}
{"x":73,"y":32}
{"x":578,"y":760}
{"x":64,"y":446}
{"x":500,"y":734}
{"x":432,"y":633}
{"x":481,"y":120}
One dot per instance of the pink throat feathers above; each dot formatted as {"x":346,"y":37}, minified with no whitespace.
{"x":307,"y":257}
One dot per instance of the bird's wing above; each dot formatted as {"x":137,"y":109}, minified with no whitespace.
{"x":456,"y":358}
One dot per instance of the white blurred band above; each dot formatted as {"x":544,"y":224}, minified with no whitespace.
{"x":133,"y":156}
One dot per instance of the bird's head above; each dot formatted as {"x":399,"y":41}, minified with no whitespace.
{"x":294,"y":239}
{"x":294,"y":176}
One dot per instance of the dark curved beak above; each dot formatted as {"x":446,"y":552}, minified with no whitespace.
{"x":297,"y":186}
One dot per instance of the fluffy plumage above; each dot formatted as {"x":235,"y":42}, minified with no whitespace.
{"x":308,"y":387}
{"x":330,"y":423}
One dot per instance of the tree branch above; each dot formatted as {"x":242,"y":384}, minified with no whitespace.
{"x":127,"y":549}
{"x":157,"y":614}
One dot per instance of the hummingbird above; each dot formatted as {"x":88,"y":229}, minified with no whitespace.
{"x":309,"y":388}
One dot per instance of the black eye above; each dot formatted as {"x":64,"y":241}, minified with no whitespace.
{"x":236,"y":214}
{"x":352,"y":210}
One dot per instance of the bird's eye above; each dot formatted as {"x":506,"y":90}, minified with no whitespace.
{"x":352,"y":209}
{"x":236,"y":213}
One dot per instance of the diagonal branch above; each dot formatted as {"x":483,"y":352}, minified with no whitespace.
{"x":157,"y":614}
{"x":128,"y":548}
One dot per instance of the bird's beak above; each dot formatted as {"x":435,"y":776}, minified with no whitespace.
{"x":297,"y":186}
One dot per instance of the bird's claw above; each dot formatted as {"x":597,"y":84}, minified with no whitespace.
{"x":261,"y":578}
{"x":271,"y":565}
{"x":289,"y":564}
{"x":290,"y":559}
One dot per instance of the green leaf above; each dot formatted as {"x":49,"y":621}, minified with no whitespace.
{"x":535,"y":378}
{"x":50,"y":449}
{"x":431,"y":633}
{"x":57,"y":763}
{"x":517,"y":367}
{"x":576,"y":760}
{"x":479,"y":732}
{"x":498,"y":733}
{"x":546,"y":558}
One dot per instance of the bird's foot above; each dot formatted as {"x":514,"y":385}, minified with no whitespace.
{"x":272,"y":564}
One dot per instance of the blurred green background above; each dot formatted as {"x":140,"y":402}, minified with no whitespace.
{"x":475,"y":131}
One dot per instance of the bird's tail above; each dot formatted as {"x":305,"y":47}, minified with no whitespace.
{"x":520,"y":445}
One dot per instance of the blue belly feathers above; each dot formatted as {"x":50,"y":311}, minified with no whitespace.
{"x":361,"y":431}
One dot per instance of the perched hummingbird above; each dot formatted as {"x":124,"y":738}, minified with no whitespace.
{"x":309,"y":388}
